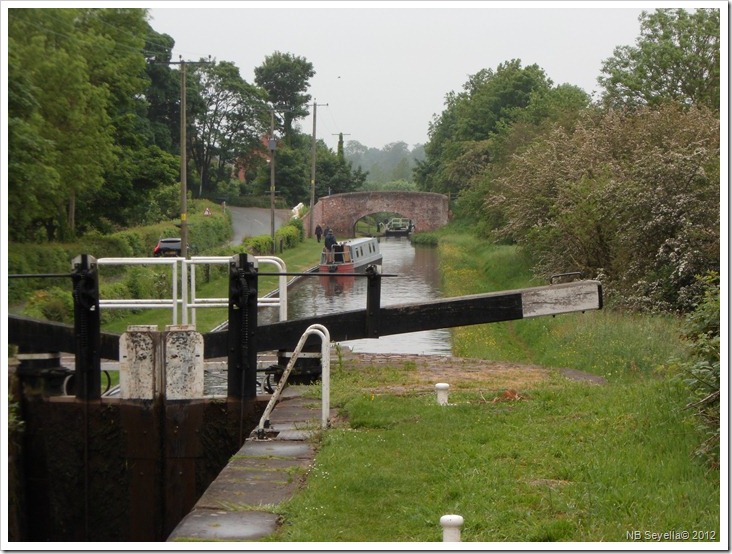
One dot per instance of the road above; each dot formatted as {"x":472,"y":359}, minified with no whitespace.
{"x":250,"y":222}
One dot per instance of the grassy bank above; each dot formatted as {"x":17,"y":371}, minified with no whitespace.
{"x":551,"y":459}
{"x":611,"y":344}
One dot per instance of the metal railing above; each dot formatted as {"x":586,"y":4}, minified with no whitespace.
{"x":131,"y":303}
{"x":197,"y":302}
{"x":180,"y":299}
{"x":324,"y":334}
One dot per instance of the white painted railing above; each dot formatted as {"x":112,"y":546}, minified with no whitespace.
{"x":197,"y":302}
{"x":132,"y":303}
{"x":324,"y":335}
{"x":188,"y":289}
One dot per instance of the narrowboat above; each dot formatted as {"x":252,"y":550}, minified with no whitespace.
{"x":351,"y":256}
{"x":399,"y":227}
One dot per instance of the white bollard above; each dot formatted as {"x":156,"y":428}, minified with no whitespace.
{"x":442,"y":389}
{"x":451,"y":525}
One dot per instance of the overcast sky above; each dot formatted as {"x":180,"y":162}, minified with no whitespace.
{"x":383,"y":71}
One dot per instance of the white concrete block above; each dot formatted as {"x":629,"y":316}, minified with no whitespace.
{"x":183,"y":363}
{"x":139,"y":349}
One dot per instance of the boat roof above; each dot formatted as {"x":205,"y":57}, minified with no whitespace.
{"x":359,"y":240}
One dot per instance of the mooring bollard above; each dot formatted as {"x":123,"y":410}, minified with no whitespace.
{"x":442,"y":389}
{"x":451,"y":525}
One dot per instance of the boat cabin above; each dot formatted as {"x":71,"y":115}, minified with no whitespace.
{"x":351,"y":256}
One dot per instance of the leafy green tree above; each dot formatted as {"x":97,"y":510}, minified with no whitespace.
{"x":34,"y":182}
{"x":232,"y":122}
{"x":71,"y":122}
{"x":116,"y":55}
{"x":676,"y":57}
{"x":489,"y":100}
{"x":335,"y":174}
{"x":162,"y":93}
{"x":292,"y":171}
{"x":286,"y":78}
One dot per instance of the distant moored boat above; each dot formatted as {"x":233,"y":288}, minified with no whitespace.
{"x":399,"y":227}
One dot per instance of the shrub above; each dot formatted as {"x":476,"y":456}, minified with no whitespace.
{"x":290,"y":235}
{"x":425,"y":239}
{"x":54,"y":304}
{"x":702,"y":373}
{"x":260,"y":245}
{"x":631,"y":194}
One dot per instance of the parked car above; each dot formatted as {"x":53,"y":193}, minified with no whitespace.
{"x":167,"y":247}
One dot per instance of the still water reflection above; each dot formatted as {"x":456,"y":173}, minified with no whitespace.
{"x":417,"y":280}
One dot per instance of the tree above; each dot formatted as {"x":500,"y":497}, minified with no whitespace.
{"x":286,"y":78}
{"x":232,"y":122}
{"x":629,"y":195}
{"x":116,"y":57}
{"x":163,"y":92}
{"x":335,"y":174}
{"x":34,"y":182}
{"x":489,"y":100}
{"x":676,"y":57}
{"x":71,"y":123}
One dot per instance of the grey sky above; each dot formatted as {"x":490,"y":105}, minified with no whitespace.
{"x":383,"y":71}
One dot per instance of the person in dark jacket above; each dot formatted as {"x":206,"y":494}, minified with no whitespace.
{"x":330,"y":242}
{"x":318,"y":232}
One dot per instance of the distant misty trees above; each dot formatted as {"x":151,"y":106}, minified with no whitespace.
{"x":392,"y":163}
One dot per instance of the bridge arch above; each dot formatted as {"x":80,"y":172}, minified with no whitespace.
{"x":429,"y":210}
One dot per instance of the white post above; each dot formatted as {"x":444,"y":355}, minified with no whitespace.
{"x":451,"y":525}
{"x":325,"y":375}
{"x":442,"y":390}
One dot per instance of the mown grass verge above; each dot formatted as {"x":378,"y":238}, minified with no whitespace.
{"x":557,"y":460}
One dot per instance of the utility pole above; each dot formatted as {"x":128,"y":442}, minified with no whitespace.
{"x":272,"y":148}
{"x":340,"y":143}
{"x":312,"y":170}
{"x":183,"y":156}
{"x":183,"y":165}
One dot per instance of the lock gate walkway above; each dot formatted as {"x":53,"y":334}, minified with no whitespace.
{"x":263,"y":473}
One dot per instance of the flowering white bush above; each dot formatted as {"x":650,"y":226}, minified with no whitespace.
{"x":634,"y":193}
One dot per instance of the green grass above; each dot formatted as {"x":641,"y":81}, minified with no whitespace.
{"x":570,"y":461}
{"x":611,"y":344}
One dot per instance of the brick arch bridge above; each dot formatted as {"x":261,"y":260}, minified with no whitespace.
{"x":429,"y":210}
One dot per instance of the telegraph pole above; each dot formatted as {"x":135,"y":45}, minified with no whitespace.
{"x":183,"y":156}
{"x":183,"y":165}
{"x":312,"y":170}
{"x":272,"y":148}
{"x":340,"y":143}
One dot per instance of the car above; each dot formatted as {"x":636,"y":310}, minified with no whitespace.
{"x":167,"y":247}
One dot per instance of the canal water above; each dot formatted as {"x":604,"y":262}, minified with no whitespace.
{"x":417,"y":280}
